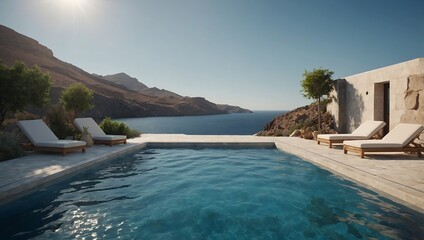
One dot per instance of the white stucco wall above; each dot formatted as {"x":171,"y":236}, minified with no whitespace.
{"x":359,"y":106}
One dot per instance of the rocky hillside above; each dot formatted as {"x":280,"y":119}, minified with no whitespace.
{"x":117,"y":96}
{"x":303,"y":118}
{"x":127,"y":81}
{"x":134,"y":85}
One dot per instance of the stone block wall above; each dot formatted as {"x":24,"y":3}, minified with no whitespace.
{"x":359,"y":97}
{"x":414,"y":101}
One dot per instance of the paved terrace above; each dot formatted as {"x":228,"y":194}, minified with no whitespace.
{"x":396,"y":175}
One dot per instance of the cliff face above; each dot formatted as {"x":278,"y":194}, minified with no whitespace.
{"x":117,"y":96}
{"x":303,"y":118}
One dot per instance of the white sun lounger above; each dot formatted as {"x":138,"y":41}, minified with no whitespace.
{"x":43,"y":139}
{"x":97,"y":133}
{"x":366,"y":130}
{"x":399,"y":139}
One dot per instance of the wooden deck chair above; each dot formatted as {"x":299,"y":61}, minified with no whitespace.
{"x":97,"y":133}
{"x":366,"y":130}
{"x":399,"y":139}
{"x":44,"y":140}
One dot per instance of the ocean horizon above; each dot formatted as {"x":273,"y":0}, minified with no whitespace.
{"x":223,"y":124}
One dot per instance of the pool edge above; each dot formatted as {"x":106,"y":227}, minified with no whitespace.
{"x":394,"y":191}
{"x":35,"y":183}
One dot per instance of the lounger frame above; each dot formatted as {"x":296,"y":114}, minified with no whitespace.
{"x":98,"y":134}
{"x":331,"y":142}
{"x":39,"y":144}
{"x":110,"y":142}
{"x":63,"y":151}
{"x":328,"y":141}
{"x":410,"y":148}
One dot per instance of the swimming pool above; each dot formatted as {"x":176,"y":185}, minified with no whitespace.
{"x":208,"y":194}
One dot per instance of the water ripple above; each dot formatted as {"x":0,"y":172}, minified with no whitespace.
{"x":208,"y":194}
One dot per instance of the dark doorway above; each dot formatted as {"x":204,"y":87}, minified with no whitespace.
{"x":386,"y":106}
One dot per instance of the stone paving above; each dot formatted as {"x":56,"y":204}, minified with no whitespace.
{"x":398,"y":176}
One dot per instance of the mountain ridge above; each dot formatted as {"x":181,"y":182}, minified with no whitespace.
{"x":111,"y":98}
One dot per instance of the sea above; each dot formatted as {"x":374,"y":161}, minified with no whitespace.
{"x":225,"y":124}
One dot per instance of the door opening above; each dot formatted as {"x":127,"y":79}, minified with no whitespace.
{"x":386,"y":107}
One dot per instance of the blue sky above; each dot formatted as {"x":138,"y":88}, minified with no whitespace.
{"x":250,"y":53}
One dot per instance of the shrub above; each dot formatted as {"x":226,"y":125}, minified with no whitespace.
{"x":77,"y":97}
{"x":309,"y":122}
{"x":9,"y":146}
{"x":117,"y":128}
{"x":26,"y":116}
{"x":133,"y":133}
{"x":58,"y":120}
{"x":21,"y":86}
{"x":296,"y":126}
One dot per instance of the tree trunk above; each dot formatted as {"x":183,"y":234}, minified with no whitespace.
{"x":319,"y":114}
{"x":75,"y":130}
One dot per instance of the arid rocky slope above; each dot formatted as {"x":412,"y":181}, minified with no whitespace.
{"x":303,"y":118}
{"x":133,"y":84}
{"x":112,"y":98}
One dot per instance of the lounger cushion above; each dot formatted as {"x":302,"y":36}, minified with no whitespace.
{"x":403,"y":133}
{"x":61,"y":144}
{"x":372,"y":144}
{"x":93,"y":128}
{"x":95,"y":131}
{"x":110,"y":137}
{"x":398,"y":137}
{"x":369,"y":128}
{"x":341,"y":137}
{"x":40,"y":135}
{"x":365,"y":131}
{"x":36,"y":131}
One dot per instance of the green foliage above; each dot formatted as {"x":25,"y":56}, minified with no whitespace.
{"x":326,"y":101}
{"x":296,"y":126}
{"x":85,"y":130}
{"x":77,"y":98}
{"x":58,"y":120}
{"x":307,"y":123}
{"x":21,"y":86}
{"x":117,"y":128}
{"x":133,"y":133}
{"x":317,"y":83}
{"x":9,"y":146}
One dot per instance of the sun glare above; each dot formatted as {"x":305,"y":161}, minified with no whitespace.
{"x":73,"y":12}
{"x":75,"y":4}
{"x":74,"y":7}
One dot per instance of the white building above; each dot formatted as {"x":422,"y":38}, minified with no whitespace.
{"x":393,"y":94}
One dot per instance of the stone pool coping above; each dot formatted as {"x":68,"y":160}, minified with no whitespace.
{"x":398,"y":176}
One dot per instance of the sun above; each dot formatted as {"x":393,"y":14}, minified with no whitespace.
{"x":73,"y":12}
{"x":79,"y":5}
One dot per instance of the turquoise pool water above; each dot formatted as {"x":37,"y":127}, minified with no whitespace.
{"x":208,"y":194}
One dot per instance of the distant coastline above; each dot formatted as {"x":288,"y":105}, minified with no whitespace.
{"x":223,"y":124}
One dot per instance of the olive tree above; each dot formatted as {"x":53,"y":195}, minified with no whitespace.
{"x":20,"y":87}
{"x":316,"y":84}
{"x":77,"y":98}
